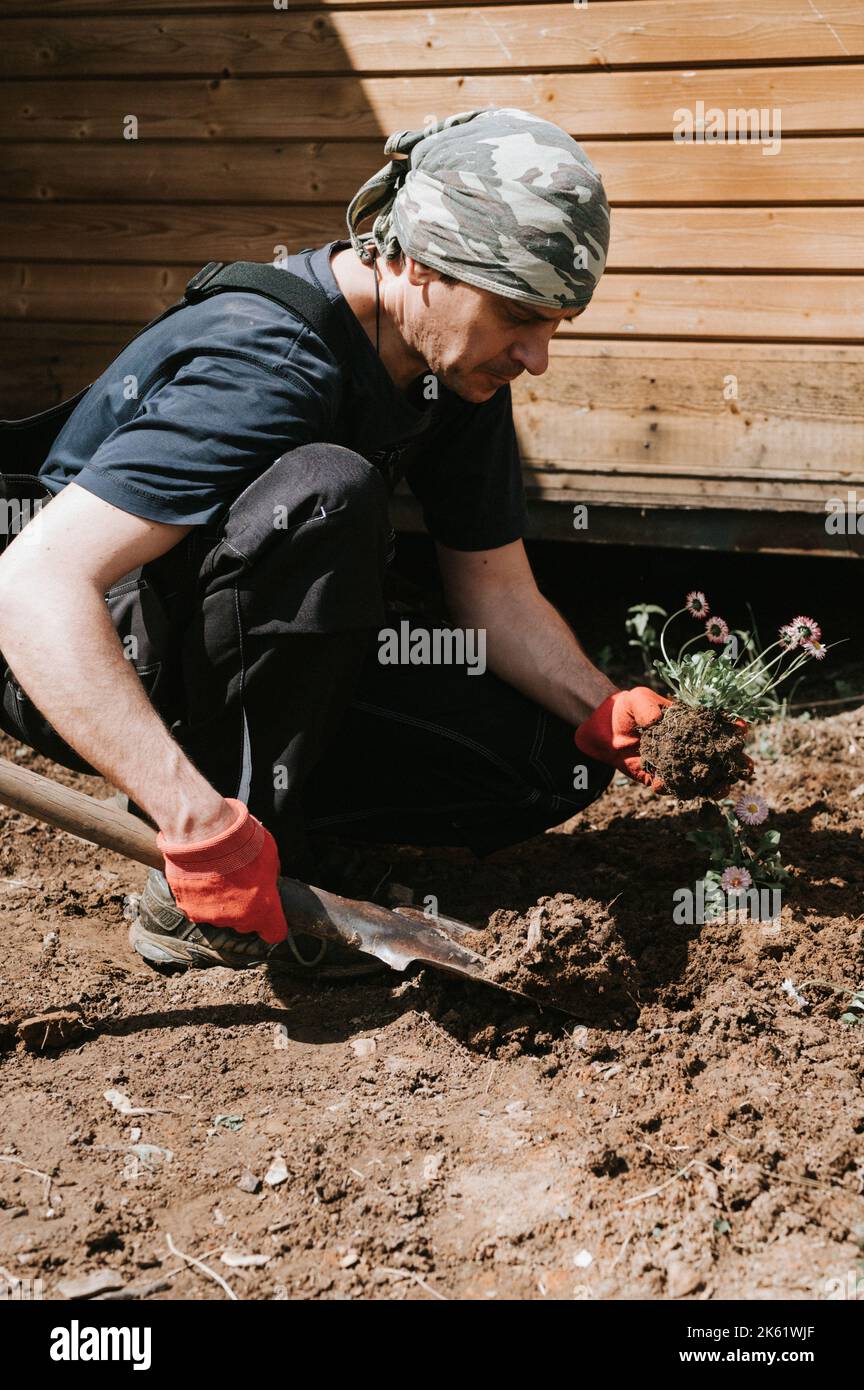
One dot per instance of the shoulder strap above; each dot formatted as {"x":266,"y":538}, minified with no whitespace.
{"x":306,"y":301}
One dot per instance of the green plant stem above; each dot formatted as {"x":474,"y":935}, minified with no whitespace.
{"x":759,"y":659}
{"x":838,"y":989}
{"x":689,"y":643}
{"x":786,"y":647}
{"x":796,"y":664}
{"x":676,"y":614}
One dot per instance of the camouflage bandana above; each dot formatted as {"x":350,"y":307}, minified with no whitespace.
{"x":496,"y":197}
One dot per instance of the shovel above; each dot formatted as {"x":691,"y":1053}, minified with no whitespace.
{"x":398,"y":937}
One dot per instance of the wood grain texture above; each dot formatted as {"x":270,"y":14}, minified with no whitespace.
{"x":100,"y":822}
{"x":650,"y":172}
{"x":257,"y":124}
{"x":821,"y":99}
{"x":474,"y":38}
{"x":708,"y":421}
{"x":768,"y":239}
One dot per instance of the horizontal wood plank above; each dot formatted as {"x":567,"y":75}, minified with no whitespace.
{"x":817,"y":99}
{"x":691,"y":489}
{"x":44,"y":365}
{"x":765,"y":529}
{"x":763,"y":307}
{"x":649,"y":172}
{"x":768,"y":239}
{"x":792,"y":307}
{"x":696,"y":495}
{"x":796,"y":238}
{"x":650,"y":411}
{"x":529,"y":36}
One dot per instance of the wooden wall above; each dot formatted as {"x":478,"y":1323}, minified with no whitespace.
{"x":712,"y":394}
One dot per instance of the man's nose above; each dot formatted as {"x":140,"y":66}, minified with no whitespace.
{"x":532,"y":351}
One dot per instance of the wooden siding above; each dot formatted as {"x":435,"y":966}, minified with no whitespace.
{"x":728,"y":264}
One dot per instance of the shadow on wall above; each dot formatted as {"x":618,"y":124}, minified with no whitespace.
{"x":139,"y":149}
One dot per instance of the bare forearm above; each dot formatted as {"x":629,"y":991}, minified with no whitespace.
{"x":529,"y":645}
{"x":62,"y":648}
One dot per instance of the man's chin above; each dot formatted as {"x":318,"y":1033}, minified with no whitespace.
{"x":476,"y":386}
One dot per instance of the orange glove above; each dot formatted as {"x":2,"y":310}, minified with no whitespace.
{"x":611,"y":733}
{"x":230,"y":879}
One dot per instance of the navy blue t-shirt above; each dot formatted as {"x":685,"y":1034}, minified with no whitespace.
{"x":200,"y":404}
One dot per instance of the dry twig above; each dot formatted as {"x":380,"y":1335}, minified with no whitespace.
{"x":205,"y":1269}
{"x":46,"y":1177}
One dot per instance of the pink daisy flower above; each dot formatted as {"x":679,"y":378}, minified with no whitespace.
{"x":788,"y":636}
{"x":735,"y":877}
{"x":752,"y":810}
{"x":804,"y":629}
{"x":716,"y":630}
{"x":697,"y":604}
{"x":813,"y":647}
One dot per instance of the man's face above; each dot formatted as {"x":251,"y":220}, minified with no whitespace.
{"x":473,"y":340}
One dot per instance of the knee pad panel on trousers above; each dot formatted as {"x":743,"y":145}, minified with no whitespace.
{"x":307,"y":543}
{"x":300,"y":486}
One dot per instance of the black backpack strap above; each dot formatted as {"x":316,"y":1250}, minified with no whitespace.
{"x":306,"y":301}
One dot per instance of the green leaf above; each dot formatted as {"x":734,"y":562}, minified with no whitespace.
{"x":770,"y":840}
{"x":707,"y":839}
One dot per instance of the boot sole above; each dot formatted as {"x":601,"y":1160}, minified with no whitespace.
{"x":159,"y":950}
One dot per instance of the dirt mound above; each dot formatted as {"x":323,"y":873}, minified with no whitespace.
{"x":566,"y":952}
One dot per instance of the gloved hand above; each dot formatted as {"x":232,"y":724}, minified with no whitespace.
{"x":230,"y":879}
{"x":611,"y":733}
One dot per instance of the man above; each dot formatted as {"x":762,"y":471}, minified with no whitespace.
{"x":260,"y":464}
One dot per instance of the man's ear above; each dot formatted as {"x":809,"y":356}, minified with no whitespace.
{"x":419,"y":274}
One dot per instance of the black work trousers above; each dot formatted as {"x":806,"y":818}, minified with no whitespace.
{"x":274,"y":688}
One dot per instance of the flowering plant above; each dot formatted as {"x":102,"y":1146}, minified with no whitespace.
{"x":719,"y":680}
{"x":738,"y":858}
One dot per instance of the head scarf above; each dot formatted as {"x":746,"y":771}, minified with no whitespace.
{"x":496,"y":197}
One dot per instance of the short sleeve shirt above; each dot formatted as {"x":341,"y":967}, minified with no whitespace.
{"x":204,"y":400}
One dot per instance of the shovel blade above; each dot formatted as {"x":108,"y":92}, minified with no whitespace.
{"x":399,"y":937}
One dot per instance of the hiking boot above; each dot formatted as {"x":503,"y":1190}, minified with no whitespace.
{"x":165,"y":937}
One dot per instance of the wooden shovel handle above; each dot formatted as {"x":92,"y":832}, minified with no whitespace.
{"x":102,"y":822}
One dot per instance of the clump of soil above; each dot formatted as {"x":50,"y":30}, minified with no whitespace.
{"x":565,"y":952}
{"x":697,"y":752}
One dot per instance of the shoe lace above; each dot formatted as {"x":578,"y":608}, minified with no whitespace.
{"x":291,"y":943}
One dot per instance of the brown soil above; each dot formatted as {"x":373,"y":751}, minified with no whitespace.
{"x":567,"y":953}
{"x":693,"y":1133}
{"x":697,"y":752}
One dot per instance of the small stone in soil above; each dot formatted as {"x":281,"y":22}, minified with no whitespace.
{"x":88,"y":1285}
{"x":277,"y":1172}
